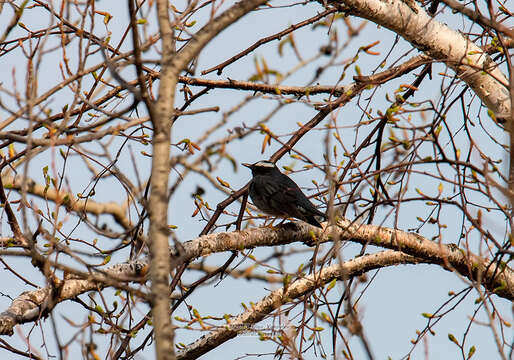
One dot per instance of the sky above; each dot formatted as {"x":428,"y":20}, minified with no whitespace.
{"x":391,"y":309}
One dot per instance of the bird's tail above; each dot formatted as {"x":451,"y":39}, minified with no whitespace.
{"x":312,"y":220}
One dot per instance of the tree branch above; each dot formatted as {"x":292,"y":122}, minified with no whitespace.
{"x":438,"y":41}
{"x":265,"y":40}
{"x":497,"y":278}
{"x":32,"y":305}
{"x":160,"y":114}
{"x":209,"y":31}
{"x":295,"y":290}
{"x":68,"y":199}
{"x":479,"y":18}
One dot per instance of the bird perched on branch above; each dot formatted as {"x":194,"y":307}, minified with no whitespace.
{"x":276,"y":194}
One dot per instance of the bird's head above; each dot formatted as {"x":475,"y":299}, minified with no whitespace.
{"x":262,"y":167}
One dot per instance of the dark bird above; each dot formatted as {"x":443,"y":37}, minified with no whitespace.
{"x":276,"y":194}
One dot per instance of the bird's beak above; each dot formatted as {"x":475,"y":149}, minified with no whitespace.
{"x":249,"y":166}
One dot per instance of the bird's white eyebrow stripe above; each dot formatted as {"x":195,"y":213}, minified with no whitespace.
{"x":264,"y":164}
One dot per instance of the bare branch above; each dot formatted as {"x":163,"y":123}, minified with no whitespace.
{"x":440,"y":42}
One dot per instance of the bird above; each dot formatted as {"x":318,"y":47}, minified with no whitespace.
{"x":274,"y":193}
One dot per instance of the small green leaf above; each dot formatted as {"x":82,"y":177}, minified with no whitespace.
{"x":453,"y":339}
{"x":107,"y":259}
{"x":471,"y":351}
{"x":491,"y":114}
{"x":332,"y":284}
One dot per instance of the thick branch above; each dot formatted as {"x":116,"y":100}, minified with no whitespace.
{"x":497,"y":278}
{"x":295,"y":290}
{"x":31,"y":305}
{"x":160,"y":115}
{"x":172,"y":64}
